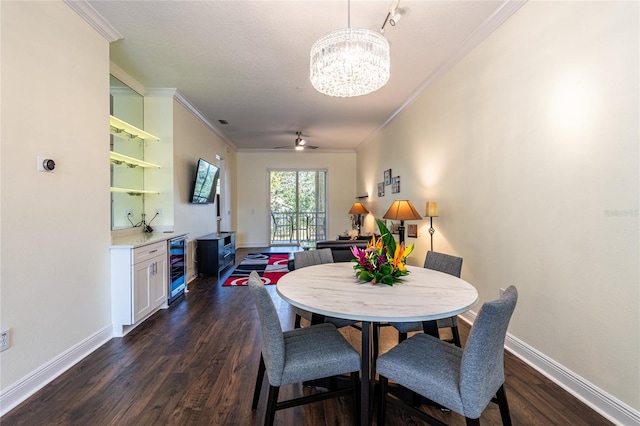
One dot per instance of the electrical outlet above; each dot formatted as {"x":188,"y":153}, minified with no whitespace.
{"x":5,"y":340}
{"x":159,"y":212}
{"x":501,"y":291}
{"x":128,"y":212}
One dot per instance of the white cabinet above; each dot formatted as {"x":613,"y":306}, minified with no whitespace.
{"x":149,"y":286}
{"x":138,"y":284}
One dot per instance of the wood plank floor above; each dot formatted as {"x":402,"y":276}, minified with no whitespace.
{"x":195,"y":364}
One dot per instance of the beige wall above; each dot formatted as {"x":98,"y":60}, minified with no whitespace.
{"x":253,"y":190}
{"x":55,"y":227}
{"x":530,"y":145}
{"x":55,"y":285}
{"x":192,"y":140}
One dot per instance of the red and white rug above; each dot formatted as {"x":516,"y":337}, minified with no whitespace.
{"x":270,"y":267}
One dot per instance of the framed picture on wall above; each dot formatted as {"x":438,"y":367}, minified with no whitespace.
{"x":393,"y":228}
{"x":395,"y":184}
{"x":387,"y":177}
{"x":381,"y":189}
{"x":412,"y":230}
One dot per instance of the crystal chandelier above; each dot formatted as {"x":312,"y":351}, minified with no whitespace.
{"x":349,"y":62}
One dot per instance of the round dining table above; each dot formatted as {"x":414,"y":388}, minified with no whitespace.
{"x":332,"y":289}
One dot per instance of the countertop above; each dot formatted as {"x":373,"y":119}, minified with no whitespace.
{"x":141,"y":239}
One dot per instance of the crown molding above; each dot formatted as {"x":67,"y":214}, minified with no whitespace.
{"x":292,"y":151}
{"x":182,"y":100}
{"x":93,"y":18}
{"x":484,"y":30}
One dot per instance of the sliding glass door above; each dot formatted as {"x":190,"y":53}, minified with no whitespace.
{"x":298,"y":206}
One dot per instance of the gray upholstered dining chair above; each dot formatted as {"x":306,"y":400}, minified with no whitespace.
{"x":440,"y":262}
{"x":299,"y":355}
{"x":309,"y":258}
{"x":462,"y":380}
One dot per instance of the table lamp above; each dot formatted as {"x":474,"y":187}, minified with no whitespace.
{"x":358,"y":209}
{"x":402,"y":210}
{"x":432,"y":211}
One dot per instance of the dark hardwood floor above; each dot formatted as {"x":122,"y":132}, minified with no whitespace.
{"x":195,"y":364}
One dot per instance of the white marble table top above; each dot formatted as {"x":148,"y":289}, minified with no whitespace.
{"x":332,"y":289}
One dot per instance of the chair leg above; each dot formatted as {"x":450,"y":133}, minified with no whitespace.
{"x":382,"y":406}
{"x":333,"y":383}
{"x":473,"y":422}
{"x":270,"y":415}
{"x":355,"y":392}
{"x":402,"y":337}
{"x":376,"y":341}
{"x":501,"y":396}
{"x":296,"y":323}
{"x":456,"y":336}
{"x":258,"y":388}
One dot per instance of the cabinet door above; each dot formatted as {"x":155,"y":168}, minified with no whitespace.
{"x":143,"y":288}
{"x":160,"y":284}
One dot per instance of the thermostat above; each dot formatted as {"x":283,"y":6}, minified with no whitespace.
{"x":46,"y":164}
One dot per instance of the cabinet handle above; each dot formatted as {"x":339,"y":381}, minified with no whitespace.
{"x":153,"y":251}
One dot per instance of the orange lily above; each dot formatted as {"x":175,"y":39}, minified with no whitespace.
{"x":400,"y":255}
{"x":374,"y":245}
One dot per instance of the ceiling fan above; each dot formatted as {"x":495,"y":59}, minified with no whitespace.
{"x":299,"y":145}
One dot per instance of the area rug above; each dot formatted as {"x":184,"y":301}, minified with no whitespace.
{"x":270,"y":267}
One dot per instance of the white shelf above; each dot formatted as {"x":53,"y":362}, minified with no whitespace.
{"x":125,"y":130}
{"x":130,"y":161}
{"x":133,"y":191}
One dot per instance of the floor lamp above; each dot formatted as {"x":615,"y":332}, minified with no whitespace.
{"x":358,"y":209}
{"x":402,"y":210}
{"x":432,"y":211}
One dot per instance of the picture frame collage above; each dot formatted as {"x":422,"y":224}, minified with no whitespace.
{"x":389,"y":180}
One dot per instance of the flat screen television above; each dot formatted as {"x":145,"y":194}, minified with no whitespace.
{"x":205,"y":183}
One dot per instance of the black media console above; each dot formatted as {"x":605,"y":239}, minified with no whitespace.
{"x":215,"y":252}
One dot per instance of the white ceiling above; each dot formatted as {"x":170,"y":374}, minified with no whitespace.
{"x":247,"y":62}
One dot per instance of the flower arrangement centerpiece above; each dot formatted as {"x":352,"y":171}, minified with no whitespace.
{"x":383,"y":261}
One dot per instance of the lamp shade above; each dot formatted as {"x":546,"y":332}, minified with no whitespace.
{"x":432,"y":209}
{"x":402,"y":210}
{"x":358,"y":208}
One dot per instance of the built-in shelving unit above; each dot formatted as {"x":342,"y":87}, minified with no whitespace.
{"x":117,"y":158}
{"x":133,"y":191}
{"x":122,"y":129}
{"x":125,"y":130}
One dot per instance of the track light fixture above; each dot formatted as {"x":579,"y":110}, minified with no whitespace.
{"x":395,"y":16}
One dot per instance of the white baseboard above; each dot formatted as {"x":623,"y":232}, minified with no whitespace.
{"x":36,"y":380}
{"x":597,"y":399}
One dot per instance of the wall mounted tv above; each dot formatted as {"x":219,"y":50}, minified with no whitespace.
{"x":205,"y":183}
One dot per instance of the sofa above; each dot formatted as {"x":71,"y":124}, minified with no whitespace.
{"x":341,"y":247}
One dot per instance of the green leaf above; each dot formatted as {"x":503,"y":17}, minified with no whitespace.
{"x":388,"y":280}
{"x":386,"y":269}
{"x":387,"y":238}
{"x":365,"y":275}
